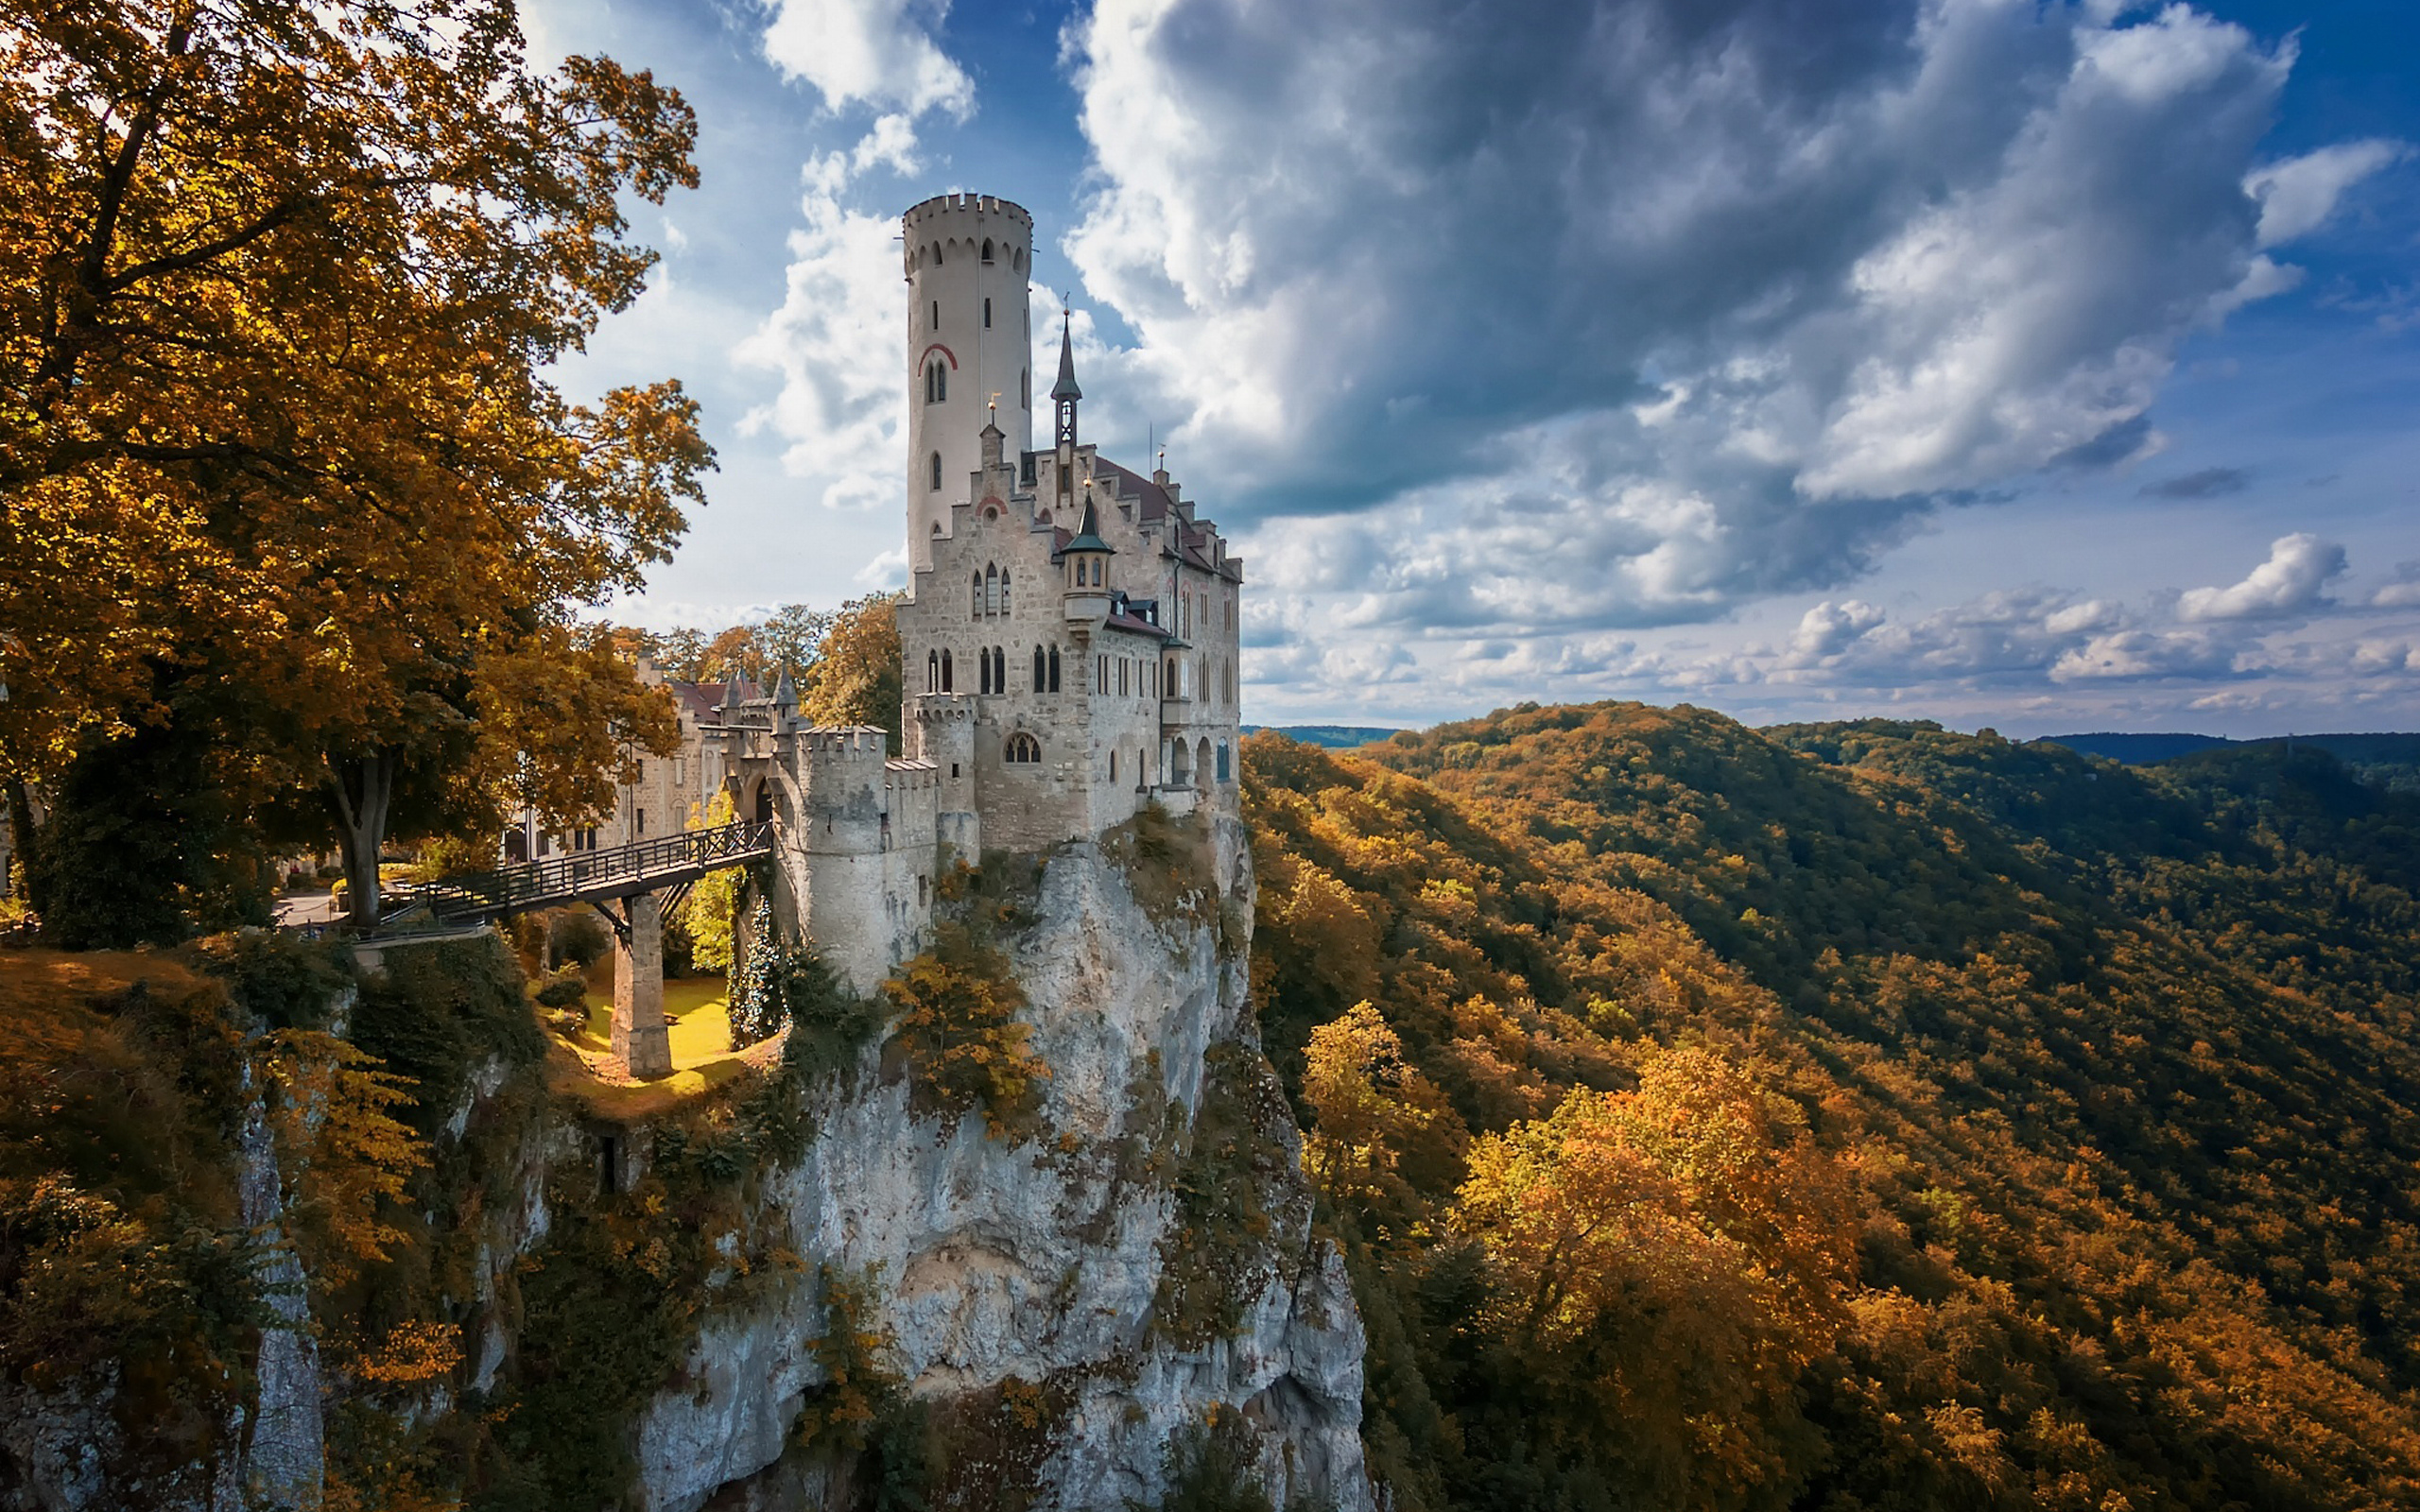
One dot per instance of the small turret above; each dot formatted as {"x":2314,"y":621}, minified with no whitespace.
{"x":1087,"y":567}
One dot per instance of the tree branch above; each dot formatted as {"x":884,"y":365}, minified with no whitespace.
{"x":177,"y":262}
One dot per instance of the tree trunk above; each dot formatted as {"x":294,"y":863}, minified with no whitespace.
{"x":22,"y":836}
{"x":359,"y":789}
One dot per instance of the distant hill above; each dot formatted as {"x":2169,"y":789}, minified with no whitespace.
{"x":1857,"y":1115}
{"x":1327,"y":737}
{"x":2387,"y":761}
{"x":2134,"y":750}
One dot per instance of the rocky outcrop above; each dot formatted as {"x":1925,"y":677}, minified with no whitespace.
{"x":1044,"y":1264}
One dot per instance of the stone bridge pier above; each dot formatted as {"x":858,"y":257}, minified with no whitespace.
{"x":642,"y":1040}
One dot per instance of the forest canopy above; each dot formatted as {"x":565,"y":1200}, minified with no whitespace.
{"x":1854,"y":1116}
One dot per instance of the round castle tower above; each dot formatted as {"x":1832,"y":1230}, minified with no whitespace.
{"x":969,"y":263}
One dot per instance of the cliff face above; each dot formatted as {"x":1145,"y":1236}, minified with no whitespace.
{"x":1060,"y":1268}
{"x":806,"y":1288}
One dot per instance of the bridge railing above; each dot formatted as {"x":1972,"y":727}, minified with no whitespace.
{"x":598,"y":873}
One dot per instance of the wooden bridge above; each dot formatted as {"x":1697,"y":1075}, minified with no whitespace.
{"x":669,"y":863}
{"x":647,"y":879}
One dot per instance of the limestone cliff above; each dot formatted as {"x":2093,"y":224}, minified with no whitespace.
{"x":808,"y":1286}
{"x":1053,"y":1264}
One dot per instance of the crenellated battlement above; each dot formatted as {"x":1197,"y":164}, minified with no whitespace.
{"x":940,"y":205}
{"x":843,"y":741}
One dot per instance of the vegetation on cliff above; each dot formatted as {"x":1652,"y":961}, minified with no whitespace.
{"x":1855,"y":1116}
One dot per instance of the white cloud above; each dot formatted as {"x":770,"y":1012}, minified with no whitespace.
{"x":2132,"y":654}
{"x":1663,"y":307}
{"x":1828,"y":629}
{"x":2298,"y":195}
{"x":841,"y":407}
{"x":2293,"y":581}
{"x":2403,"y":591}
{"x":869,"y":52}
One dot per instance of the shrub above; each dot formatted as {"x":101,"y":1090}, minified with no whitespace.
{"x":565,"y":989}
{"x":1212,"y":1466}
{"x":284,"y":982}
{"x":957,"y":1007}
{"x":1168,"y":865}
{"x":454,"y":856}
{"x":438,"y":1008}
{"x":578,"y":936}
{"x":1220,"y":1254}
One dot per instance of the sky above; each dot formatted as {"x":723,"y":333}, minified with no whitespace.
{"x":2047,"y":366}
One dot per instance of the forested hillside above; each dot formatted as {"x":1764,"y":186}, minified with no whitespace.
{"x":1856,"y":1115}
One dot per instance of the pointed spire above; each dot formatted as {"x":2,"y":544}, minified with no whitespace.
{"x":1087,"y":537}
{"x":785,"y":692}
{"x":1066,"y":388}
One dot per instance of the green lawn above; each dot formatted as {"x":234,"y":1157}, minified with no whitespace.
{"x":698,"y":1006}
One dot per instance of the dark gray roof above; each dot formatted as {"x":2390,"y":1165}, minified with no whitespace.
{"x":1066,"y":388}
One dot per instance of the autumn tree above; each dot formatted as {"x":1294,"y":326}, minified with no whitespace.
{"x":955,"y":1011}
{"x":279,"y":290}
{"x":792,"y":637}
{"x":855,"y":678}
{"x":1365,"y":1101}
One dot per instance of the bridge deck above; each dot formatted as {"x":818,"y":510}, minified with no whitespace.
{"x":594,"y":876}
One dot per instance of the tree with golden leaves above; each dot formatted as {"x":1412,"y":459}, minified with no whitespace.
{"x":1668,"y":1261}
{"x":279,"y":290}
{"x":855,"y":678}
{"x":1365,"y":1101}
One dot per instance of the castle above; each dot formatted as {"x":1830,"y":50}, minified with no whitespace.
{"x":1068,"y":639}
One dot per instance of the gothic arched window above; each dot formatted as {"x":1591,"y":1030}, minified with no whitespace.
{"x":936,"y":381}
{"x":999,"y":670}
{"x":1041,"y":671}
{"x":974,"y":600}
{"x":946,"y":674}
{"x":1023,"y":750}
{"x":991,"y":587}
{"x":1054,"y":669}
{"x":937,"y":470}
{"x":1222,"y":762}
{"x":1004,"y":590}
{"x":984,"y":674}
{"x":932,"y":671}
{"x":987,"y":253}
